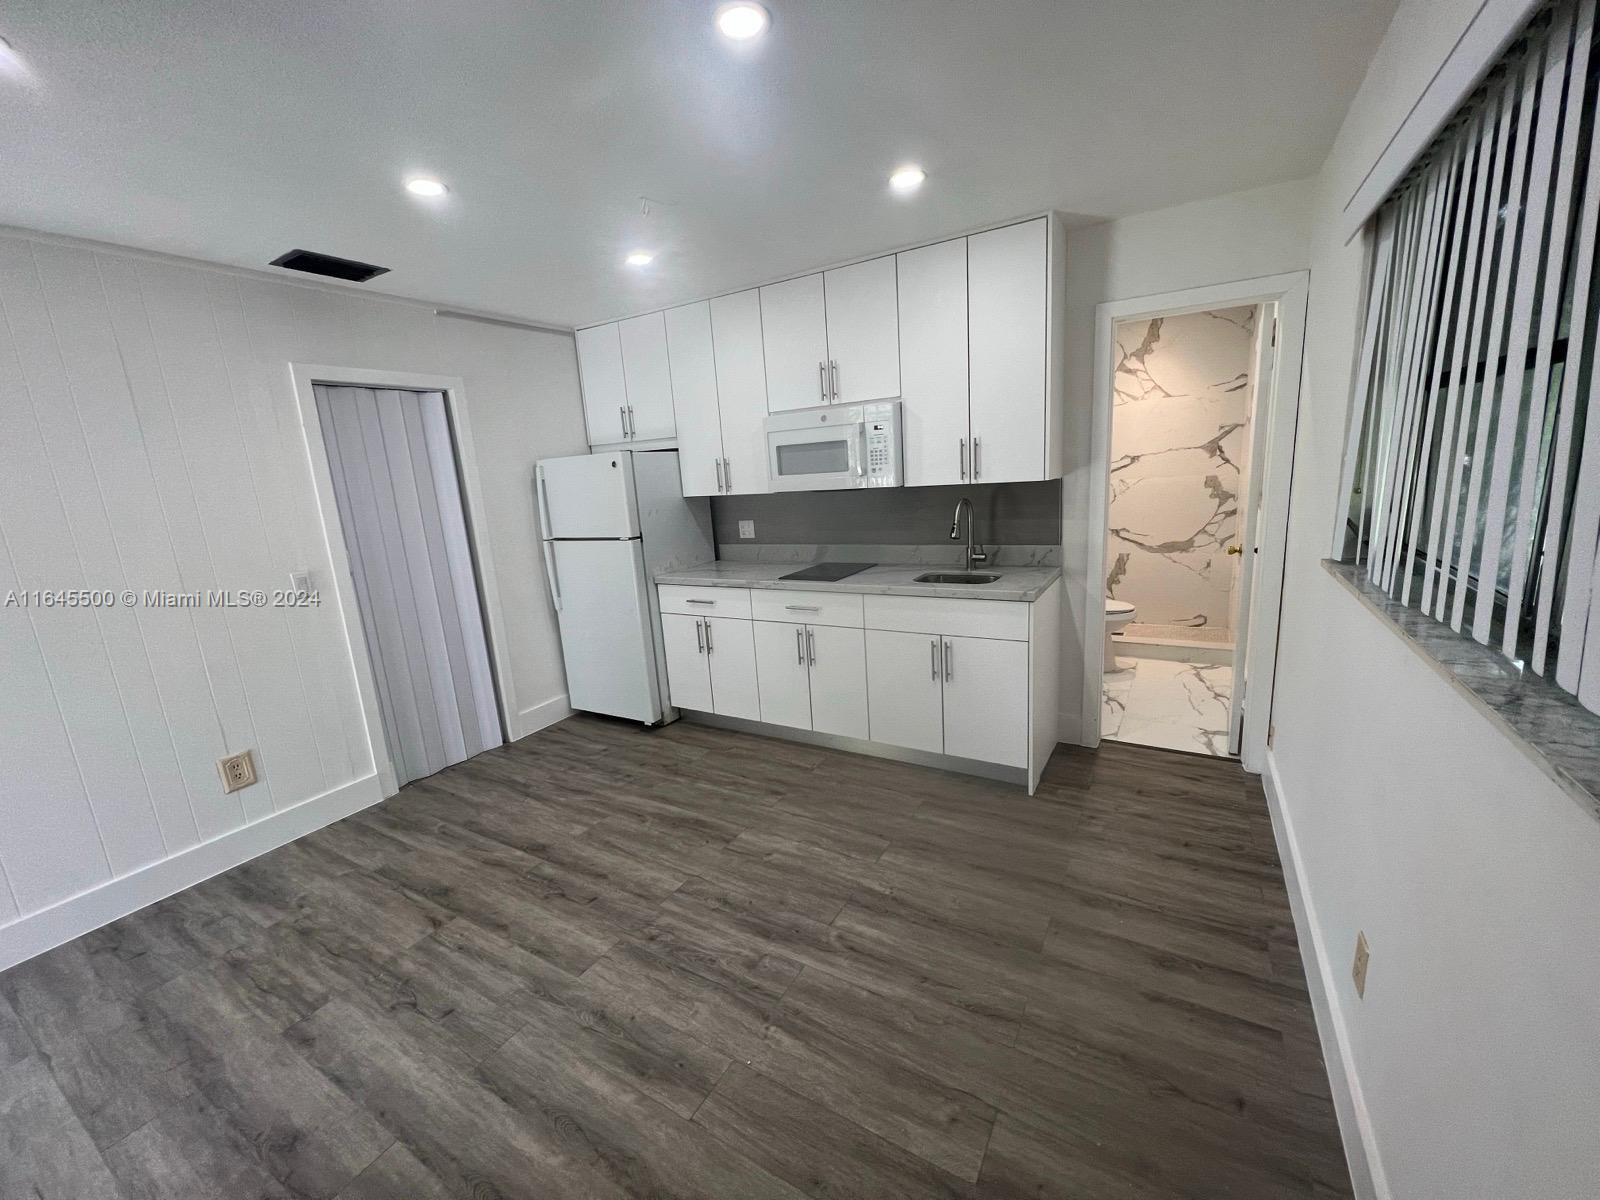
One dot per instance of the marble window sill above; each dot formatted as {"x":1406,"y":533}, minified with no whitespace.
{"x":1557,"y":733}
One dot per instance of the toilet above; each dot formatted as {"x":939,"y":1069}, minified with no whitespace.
{"x":1118,"y":614}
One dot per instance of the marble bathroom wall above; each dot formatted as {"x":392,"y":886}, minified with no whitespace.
{"x":1179,"y":440}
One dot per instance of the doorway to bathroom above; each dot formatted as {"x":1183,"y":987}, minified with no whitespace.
{"x":1183,"y":398}
{"x":1194,"y":431}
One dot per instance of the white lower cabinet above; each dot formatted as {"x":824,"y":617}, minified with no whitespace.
{"x":688,"y":673}
{"x":838,"y":661}
{"x":968,"y":679}
{"x":905,"y":694}
{"x":731,"y":650}
{"x":986,"y":699}
{"x":711,"y":664}
{"x":783,"y":676}
{"x":812,"y":677}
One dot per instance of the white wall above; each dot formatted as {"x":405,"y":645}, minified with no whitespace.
{"x":1244,"y":235}
{"x":1476,"y":1051}
{"x":149,"y":438}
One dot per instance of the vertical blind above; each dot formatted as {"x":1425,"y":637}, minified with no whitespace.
{"x":1473,"y":471}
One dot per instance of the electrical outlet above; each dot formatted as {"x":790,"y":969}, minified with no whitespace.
{"x":747,"y":529}
{"x":1358,"y":969}
{"x":238,"y":771}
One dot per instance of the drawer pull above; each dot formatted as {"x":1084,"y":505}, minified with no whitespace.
{"x":699,"y":601}
{"x":803,"y":607}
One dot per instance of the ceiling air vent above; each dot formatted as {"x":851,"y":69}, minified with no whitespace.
{"x":326,"y":264}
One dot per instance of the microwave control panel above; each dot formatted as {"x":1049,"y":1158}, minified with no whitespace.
{"x":880,"y":424}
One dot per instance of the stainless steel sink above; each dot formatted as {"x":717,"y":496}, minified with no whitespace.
{"x":954,"y":577}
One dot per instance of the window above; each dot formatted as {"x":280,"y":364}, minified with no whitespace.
{"x":1473,"y":470}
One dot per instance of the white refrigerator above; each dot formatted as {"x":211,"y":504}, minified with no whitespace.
{"x":609,"y":522}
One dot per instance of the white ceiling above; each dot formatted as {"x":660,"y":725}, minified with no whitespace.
{"x":234,"y":132}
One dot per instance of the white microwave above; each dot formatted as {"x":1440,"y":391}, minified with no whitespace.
{"x":838,"y":446}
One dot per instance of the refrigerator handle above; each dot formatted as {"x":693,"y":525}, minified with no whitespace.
{"x":544,"y":502}
{"x":555,"y":578}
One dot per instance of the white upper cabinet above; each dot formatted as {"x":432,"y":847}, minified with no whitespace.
{"x":933,"y":362}
{"x":1007,"y":320}
{"x":863,"y":333}
{"x":605,"y":394}
{"x":794,"y":335}
{"x":965,"y":332}
{"x":741,"y":390}
{"x":694,"y":398}
{"x":648,"y":377}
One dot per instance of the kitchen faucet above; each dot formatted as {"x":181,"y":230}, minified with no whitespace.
{"x":975,"y":553}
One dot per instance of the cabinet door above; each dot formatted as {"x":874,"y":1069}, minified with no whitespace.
{"x":648,"y":378}
{"x":781,"y":675}
{"x":694,"y":398}
{"x":731,"y":651}
{"x":863,"y":331}
{"x":688,"y":674}
{"x":986,"y":700}
{"x":794,"y":334}
{"x":605,"y":395}
{"x":904,"y":691}
{"x":933,"y":369}
{"x":741,"y":390}
{"x":1006,"y":283}
{"x":838,"y":680}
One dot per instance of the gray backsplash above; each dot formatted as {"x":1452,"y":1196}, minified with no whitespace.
{"x":1008,"y":514}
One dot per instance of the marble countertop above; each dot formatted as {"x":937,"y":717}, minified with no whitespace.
{"x":1024,"y":584}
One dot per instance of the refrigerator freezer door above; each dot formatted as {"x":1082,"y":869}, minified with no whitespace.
{"x":606,"y":634}
{"x":588,"y":496}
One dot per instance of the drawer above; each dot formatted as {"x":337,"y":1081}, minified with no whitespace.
{"x":1003,"y":619}
{"x":704,"y":601}
{"x":806,"y":608}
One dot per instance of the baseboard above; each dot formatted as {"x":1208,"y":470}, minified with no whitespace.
{"x":1355,"y":1123}
{"x":540,"y":716}
{"x":77,"y":915}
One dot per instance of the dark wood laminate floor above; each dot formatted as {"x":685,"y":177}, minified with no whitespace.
{"x":606,"y":962}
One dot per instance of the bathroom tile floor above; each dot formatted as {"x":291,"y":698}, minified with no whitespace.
{"x":1174,"y":705}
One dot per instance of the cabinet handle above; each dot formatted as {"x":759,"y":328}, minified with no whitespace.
{"x":833,"y":379}
{"x":633,"y":430}
{"x":822,"y":380}
{"x":727,"y":472}
{"x":799,"y":649}
{"x":699,"y":636}
{"x":933,"y":660}
{"x":802,"y":608}
{"x":622,"y":417}
{"x":949,"y":662}
{"x":709,"y":646}
{"x":976,"y":445}
{"x":719,"y":475}
{"x":699,"y":601}
{"x":811,"y":648}
{"x":963,"y":458}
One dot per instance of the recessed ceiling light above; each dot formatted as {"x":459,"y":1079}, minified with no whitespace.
{"x":640,"y":258}
{"x":424,"y":186}
{"x":907,"y":179}
{"x":742,"y":20}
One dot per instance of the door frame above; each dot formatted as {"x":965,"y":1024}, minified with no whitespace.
{"x":303,"y":378}
{"x":1280,"y":411}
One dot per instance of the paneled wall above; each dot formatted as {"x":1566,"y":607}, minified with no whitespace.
{"x":150,"y":441}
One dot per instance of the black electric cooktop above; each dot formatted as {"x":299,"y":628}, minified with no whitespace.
{"x":828,"y":572}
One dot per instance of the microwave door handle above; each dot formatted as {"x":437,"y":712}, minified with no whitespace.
{"x":861,"y":450}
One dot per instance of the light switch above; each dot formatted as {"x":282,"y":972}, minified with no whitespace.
{"x":747,"y":529}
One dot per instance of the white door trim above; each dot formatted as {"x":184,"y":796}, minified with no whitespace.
{"x":1280,"y":410}
{"x":303,"y":377}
